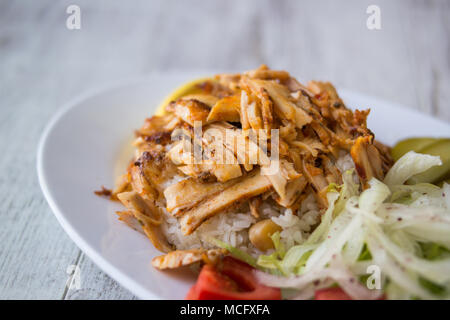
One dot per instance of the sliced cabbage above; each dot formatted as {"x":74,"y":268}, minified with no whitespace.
{"x":348,"y":189}
{"x":410,"y":164}
{"x":321,"y":231}
{"x":389,"y":225}
{"x":235,"y":252}
{"x":403,"y":230}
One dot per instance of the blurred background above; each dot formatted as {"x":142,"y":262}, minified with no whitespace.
{"x":402,"y":56}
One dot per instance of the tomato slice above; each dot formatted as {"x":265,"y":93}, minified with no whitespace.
{"x":336,"y":294}
{"x":192,"y":294}
{"x":232,"y":280}
{"x":332,"y":294}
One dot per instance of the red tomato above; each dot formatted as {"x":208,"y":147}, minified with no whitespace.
{"x":332,"y":294}
{"x":232,"y":280}
{"x":336,"y":294}
{"x":192,"y":294}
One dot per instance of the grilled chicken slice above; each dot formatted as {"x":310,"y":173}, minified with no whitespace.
{"x":317,"y":180}
{"x":261,"y":111}
{"x":200,"y":172}
{"x":147,"y":214}
{"x":228,"y":80}
{"x":122,"y":185}
{"x":325,"y":95}
{"x":225,"y":172}
{"x":140,"y":184}
{"x":207,"y":99}
{"x":245,"y":124}
{"x":158,"y":124}
{"x":150,"y":173}
{"x":187,"y":193}
{"x":209,"y":171}
{"x":309,"y":146}
{"x":284,"y":108}
{"x":367,"y":160}
{"x":279,"y":173}
{"x":216,"y":160}
{"x":294,"y":189}
{"x":129,"y":218}
{"x":254,"y":205}
{"x":191,"y":111}
{"x":254,"y":116}
{"x":252,"y":185}
{"x":181,"y":153}
{"x":294,"y":86}
{"x":263,"y":72}
{"x":385,"y":154}
{"x":321,"y":132}
{"x":223,"y":163}
{"x":226,"y":109}
{"x":288,"y":132}
{"x":332,"y":173}
{"x":215,"y":88}
{"x":245,"y":150}
{"x":180,"y":258}
{"x":247,"y":146}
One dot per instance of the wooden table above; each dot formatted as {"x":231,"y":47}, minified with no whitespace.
{"x":43,"y":64}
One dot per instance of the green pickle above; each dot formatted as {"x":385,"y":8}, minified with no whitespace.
{"x":432,"y":146}
{"x":411,"y":144}
{"x":436,"y":174}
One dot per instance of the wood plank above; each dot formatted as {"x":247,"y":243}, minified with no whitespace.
{"x":427,"y":30}
{"x":94,"y":284}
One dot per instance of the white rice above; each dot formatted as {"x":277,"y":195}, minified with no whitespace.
{"x":344,"y":162}
{"x":297,"y":227}
{"x":232,"y":227}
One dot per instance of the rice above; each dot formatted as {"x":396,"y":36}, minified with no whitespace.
{"x":344,"y":162}
{"x":297,"y":228}
{"x":232,"y":226}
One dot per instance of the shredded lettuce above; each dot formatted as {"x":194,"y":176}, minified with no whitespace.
{"x":409,"y":165}
{"x":399,"y":191}
{"x":272,"y":261}
{"x":348,"y":189}
{"x":433,"y":251}
{"x":320,"y":232}
{"x":235,"y":252}
{"x":365,"y":254}
{"x":404,"y":230}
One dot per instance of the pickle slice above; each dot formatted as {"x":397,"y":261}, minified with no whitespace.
{"x":440,"y":148}
{"x":411,"y":144}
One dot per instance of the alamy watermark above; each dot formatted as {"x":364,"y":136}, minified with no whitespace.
{"x":373,"y":282}
{"x":73,"y":21}
{"x":74,"y":280}
{"x":221,"y":145}
{"x":373,"y":21}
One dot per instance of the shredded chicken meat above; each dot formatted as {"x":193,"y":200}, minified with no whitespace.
{"x":180,"y":258}
{"x":312,"y":129}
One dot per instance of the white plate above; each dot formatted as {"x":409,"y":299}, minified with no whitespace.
{"x":86,"y":146}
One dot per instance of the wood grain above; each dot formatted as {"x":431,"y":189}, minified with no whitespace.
{"x":43,"y":64}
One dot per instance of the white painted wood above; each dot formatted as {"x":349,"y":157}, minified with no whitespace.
{"x":42,"y":65}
